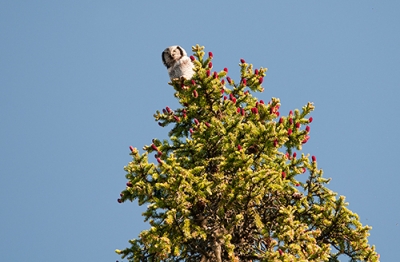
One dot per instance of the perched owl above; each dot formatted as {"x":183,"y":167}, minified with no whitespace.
{"x":177,"y":62}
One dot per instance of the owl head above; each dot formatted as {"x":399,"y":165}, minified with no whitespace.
{"x":172,"y":54}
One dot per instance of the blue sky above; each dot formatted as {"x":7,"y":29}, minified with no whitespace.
{"x":80,"y":81}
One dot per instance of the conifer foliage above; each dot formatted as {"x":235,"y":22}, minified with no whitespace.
{"x":231,"y":182}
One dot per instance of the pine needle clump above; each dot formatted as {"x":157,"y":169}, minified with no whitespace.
{"x":232,"y":183}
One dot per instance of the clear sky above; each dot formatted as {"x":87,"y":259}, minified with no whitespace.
{"x":81,"y":80}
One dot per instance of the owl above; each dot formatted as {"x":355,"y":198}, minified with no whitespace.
{"x":177,"y":62}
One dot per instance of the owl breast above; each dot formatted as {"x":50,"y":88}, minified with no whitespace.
{"x":182,"y":68}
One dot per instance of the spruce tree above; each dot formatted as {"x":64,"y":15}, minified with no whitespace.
{"x":232,"y":184}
